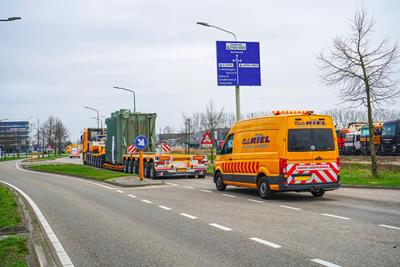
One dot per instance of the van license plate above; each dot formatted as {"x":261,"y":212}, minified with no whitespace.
{"x":302,"y":178}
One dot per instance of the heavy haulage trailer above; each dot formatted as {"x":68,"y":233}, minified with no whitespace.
{"x":110,"y":150}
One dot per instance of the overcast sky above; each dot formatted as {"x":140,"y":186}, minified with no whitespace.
{"x":66,"y":54}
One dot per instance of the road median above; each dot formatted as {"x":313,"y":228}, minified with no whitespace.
{"x":88,"y":172}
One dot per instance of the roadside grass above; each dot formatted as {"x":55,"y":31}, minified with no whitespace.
{"x":13,"y":251}
{"x":9,"y":216}
{"x":79,"y":171}
{"x":360,"y":174}
{"x":11,"y":158}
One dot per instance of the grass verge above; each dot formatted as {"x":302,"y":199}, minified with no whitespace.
{"x":79,"y":171}
{"x":13,"y":251}
{"x":9,"y":216}
{"x":360,"y":174}
{"x":50,"y":157}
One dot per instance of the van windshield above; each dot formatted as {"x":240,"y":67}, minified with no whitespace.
{"x":389,"y":129}
{"x":310,"y":140}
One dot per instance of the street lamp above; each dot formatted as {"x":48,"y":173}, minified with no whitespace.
{"x":237,"y":87}
{"x":129,"y":90}
{"x":11,"y":19}
{"x":97,"y":111}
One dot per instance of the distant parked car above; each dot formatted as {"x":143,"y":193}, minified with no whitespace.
{"x":352,"y":144}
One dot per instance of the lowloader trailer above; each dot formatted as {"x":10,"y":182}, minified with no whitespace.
{"x":111,"y":152}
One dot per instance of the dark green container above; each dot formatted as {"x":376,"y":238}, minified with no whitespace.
{"x":122,"y":129}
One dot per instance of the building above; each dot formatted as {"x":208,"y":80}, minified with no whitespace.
{"x":14,"y":136}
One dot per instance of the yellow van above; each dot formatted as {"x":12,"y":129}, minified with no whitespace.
{"x":289,"y":151}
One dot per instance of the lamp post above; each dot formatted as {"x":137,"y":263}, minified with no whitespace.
{"x":237,"y":87}
{"x":129,"y":90}
{"x":11,"y":19}
{"x":97,"y":111}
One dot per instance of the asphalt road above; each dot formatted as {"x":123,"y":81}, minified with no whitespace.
{"x":188,"y":223}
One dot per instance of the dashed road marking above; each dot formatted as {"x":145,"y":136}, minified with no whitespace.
{"x":289,"y":207}
{"x":147,"y":201}
{"x":389,"y":226}
{"x":171,"y":184}
{"x":188,"y":216}
{"x":189,"y":187}
{"x":325,"y":263}
{"x":335,"y":216}
{"x":265,"y":242}
{"x":120,"y":191}
{"x":254,"y":200}
{"x":207,"y":191}
{"x":227,"y":195}
{"x":220,"y":227}
{"x":132,"y":196}
{"x":164,"y":207}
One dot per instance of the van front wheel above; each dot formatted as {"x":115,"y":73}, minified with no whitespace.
{"x":263,"y":188}
{"x":219,"y":183}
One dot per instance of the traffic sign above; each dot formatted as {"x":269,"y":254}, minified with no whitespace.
{"x":238,"y":63}
{"x":206,"y":141}
{"x":141,"y":142}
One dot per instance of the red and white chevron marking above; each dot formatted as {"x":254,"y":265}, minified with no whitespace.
{"x":319,"y":172}
{"x":166,"y":148}
{"x":131,"y":149}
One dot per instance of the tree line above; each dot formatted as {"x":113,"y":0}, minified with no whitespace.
{"x":51,"y":132}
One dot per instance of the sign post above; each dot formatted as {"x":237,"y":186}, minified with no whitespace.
{"x":141,"y":143}
{"x":238,"y":63}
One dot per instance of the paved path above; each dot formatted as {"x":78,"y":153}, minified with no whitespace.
{"x":188,"y":223}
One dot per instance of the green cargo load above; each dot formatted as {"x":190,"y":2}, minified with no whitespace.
{"x":122,"y":129}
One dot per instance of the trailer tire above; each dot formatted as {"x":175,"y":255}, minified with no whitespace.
{"x":136,"y":166}
{"x":201,"y":176}
{"x":152,"y":171}
{"x":125,"y":166}
{"x":146,"y":170}
{"x":130,"y":166}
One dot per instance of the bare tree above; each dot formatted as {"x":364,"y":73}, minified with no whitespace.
{"x":362,"y":71}
{"x":60,"y":135}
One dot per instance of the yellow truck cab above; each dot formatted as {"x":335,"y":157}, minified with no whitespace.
{"x":289,"y":151}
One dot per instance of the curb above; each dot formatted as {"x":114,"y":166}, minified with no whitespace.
{"x":58,"y":256}
{"x":369,"y":187}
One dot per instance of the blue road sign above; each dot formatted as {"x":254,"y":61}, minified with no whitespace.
{"x":141,"y":142}
{"x":238,"y":63}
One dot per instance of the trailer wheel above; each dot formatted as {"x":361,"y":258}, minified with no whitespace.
{"x":125,"y":166}
{"x":135,"y":166}
{"x":130,"y":166}
{"x":146,"y":170}
{"x":152,"y":171}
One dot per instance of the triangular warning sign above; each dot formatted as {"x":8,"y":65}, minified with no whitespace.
{"x":206,"y":139}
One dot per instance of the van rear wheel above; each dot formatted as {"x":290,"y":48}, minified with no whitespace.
{"x":263,"y":188}
{"x":219,"y":183}
{"x":318,"y":193}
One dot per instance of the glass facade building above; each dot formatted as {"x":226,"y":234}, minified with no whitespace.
{"x":14,"y":136}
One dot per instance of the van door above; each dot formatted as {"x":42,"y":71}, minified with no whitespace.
{"x":226,"y":157}
{"x":312,"y":152}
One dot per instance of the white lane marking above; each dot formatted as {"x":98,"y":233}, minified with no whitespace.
{"x":207,"y":191}
{"x":164,"y":207}
{"x":189,"y":187}
{"x":171,"y":184}
{"x":188,"y":216}
{"x":147,"y":201}
{"x":56,"y":174}
{"x":325,"y":263}
{"x":61,"y":253}
{"x":253,"y":200}
{"x":227,"y":195}
{"x":220,"y":227}
{"x":335,"y":216}
{"x":120,"y":191}
{"x":265,"y":242}
{"x":289,"y":207}
{"x":389,"y":226}
{"x":132,"y":196}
